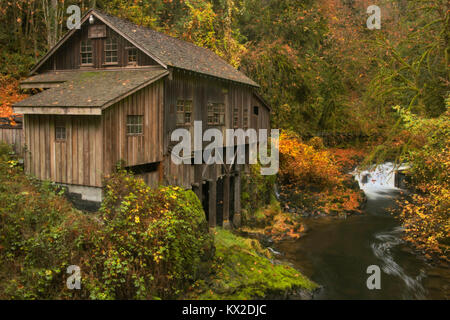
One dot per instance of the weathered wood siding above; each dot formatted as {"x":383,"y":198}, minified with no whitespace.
{"x":76,"y":160}
{"x":204,"y":90}
{"x":262,"y":120}
{"x":68,"y":55}
{"x":135,"y":149}
{"x":14,"y":137}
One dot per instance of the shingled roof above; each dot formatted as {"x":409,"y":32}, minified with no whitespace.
{"x":93,"y":88}
{"x":170,"y":51}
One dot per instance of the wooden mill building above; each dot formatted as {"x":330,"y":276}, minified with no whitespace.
{"x":114,"y":91}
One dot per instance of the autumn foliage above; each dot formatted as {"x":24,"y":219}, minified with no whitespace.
{"x":304,"y":165}
{"x":314,"y":180}
{"x":9,"y":94}
{"x":426,"y":214}
{"x":143,"y":244}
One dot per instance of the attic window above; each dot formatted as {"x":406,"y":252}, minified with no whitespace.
{"x":60,"y":131}
{"x":135,"y":125}
{"x":184,"y":112}
{"x":111,"y":50}
{"x":216,"y":114}
{"x":86,"y":52}
{"x":132,"y":56}
{"x":256,"y":110}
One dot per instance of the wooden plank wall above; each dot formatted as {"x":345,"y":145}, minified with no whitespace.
{"x":262,"y":121}
{"x":14,"y":137}
{"x":178,"y":175}
{"x":76,"y":160}
{"x":150,"y":178}
{"x":202,"y":90}
{"x":135,"y":149}
{"x":67,"y":57}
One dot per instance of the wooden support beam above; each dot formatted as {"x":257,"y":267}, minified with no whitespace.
{"x":237,"y":197}
{"x":212,"y":203}
{"x":226,"y":202}
{"x":160,"y":172}
{"x":197,"y":188}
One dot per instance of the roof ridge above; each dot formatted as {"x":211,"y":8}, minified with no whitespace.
{"x":145,"y":33}
{"x":151,"y":29}
{"x":164,"y":49}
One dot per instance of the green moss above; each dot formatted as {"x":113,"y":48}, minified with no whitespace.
{"x":89,"y":74}
{"x":244,"y":270}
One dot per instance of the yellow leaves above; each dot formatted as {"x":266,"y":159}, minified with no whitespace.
{"x":136,"y":219}
{"x":426,"y":219}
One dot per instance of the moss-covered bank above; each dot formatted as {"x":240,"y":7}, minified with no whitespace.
{"x":243,"y":269}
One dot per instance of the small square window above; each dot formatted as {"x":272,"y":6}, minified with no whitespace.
{"x":184,"y":112}
{"x":216,"y":114}
{"x":132,"y":56}
{"x":86,"y":52}
{"x":60,"y":130}
{"x":111,"y":50}
{"x":135,"y":125}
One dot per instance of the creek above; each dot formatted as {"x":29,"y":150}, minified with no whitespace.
{"x":335,"y":253}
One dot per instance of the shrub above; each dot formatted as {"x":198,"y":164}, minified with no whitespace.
{"x":313,"y":180}
{"x":156,"y":238}
{"x":425,"y":215}
{"x":143,"y":244}
{"x":40,"y":235}
{"x":301,"y":164}
{"x":316,"y":143}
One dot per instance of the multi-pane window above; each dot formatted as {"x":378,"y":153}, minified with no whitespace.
{"x":60,"y":130}
{"x":132,"y":56}
{"x":111,"y":50}
{"x":86,"y":52}
{"x":245,"y":118}
{"x":216,"y":114}
{"x":135,"y":125}
{"x":184,"y":112}
{"x":235,"y":117}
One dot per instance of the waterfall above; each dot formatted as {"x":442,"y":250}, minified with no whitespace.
{"x":379,"y":181}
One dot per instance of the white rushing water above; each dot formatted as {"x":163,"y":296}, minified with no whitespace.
{"x":378,"y":183}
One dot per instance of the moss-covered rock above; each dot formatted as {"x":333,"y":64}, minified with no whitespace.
{"x":243,"y":269}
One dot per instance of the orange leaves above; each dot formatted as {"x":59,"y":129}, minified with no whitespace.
{"x":347,"y":158}
{"x":315,"y":180}
{"x":302,"y":164}
{"x":9,"y":94}
{"x":284,"y":228}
